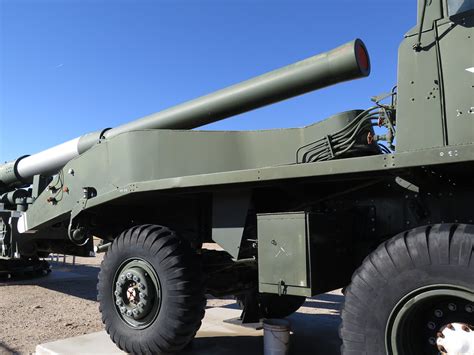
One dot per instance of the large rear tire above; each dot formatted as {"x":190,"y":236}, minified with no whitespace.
{"x":150,"y":291}
{"x":408,"y":294}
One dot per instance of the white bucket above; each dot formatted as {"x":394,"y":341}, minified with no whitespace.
{"x":276,"y":337}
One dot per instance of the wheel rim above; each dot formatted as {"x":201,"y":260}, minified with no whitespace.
{"x":137,"y":293}
{"x":431,"y":320}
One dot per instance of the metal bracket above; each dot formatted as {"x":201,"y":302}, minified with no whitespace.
{"x":229,"y":214}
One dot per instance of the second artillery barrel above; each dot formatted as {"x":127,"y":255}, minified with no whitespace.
{"x":347,"y":62}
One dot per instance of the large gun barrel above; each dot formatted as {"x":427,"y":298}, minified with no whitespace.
{"x":347,"y":62}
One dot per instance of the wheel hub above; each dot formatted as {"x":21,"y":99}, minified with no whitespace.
{"x":137,"y":293}
{"x":433,"y":320}
{"x":456,"y":338}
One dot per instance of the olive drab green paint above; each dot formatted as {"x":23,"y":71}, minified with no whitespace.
{"x":435,"y":88}
{"x":161,"y":160}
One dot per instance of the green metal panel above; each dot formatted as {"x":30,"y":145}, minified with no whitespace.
{"x":283,"y":257}
{"x":107,"y":177}
{"x":419,"y":115}
{"x":434,"y":11}
{"x":457,"y":53}
{"x":229,"y":213}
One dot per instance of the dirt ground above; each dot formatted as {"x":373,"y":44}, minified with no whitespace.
{"x":63,"y":304}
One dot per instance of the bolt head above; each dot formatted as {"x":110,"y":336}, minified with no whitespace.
{"x":119,"y":302}
{"x":123,"y":277}
{"x":135,"y":312}
{"x":469,"y":308}
{"x":123,"y":310}
{"x":117,"y":293}
{"x":141,"y":286}
{"x":129,"y":275}
{"x":431,"y":325}
{"x":129,"y":313}
{"x":432,"y":341}
{"x":136,"y":278}
{"x":438,"y":313}
{"x":452,"y":307}
{"x":140,"y":305}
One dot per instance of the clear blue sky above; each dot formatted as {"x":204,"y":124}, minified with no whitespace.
{"x":70,"y":67}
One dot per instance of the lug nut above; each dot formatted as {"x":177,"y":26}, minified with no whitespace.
{"x":135,"y":312}
{"x":140,"y":305}
{"x":122,"y":310}
{"x":141,"y":286}
{"x":442,"y":349}
{"x":123,"y":277}
{"x":452,"y":307}
{"x":129,"y":313}
{"x":129,"y":275}
{"x":119,"y":302}
{"x":142,"y":295}
{"x":136,"y":278}
{"x":431,"y":325}
{"x":438,"y":313}
{"x":432,"y":341}
{"x":469,"y":308}
{"x":117,"y":293}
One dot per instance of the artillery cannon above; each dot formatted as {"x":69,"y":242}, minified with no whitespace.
{"x":297,"y":211}
{"x":347,"y":62}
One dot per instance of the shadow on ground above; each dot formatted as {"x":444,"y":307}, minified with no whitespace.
{"x":311,"y":334}
{"x":5,"y":349}
{"x":78,"y":281}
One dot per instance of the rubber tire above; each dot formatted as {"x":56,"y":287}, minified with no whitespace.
{"x":183,"y":301}
{"x":439,"y":254}
{"x":274,"y":306}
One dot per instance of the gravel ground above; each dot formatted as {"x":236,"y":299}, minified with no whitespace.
{"x":64,"y":305}
{"x":49,"y":308}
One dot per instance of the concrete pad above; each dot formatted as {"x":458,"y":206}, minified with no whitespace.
{"x":217,"y":337}
{"x":95,"y":343}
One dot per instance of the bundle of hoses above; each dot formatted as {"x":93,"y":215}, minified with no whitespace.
{"x":344,"y":142}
